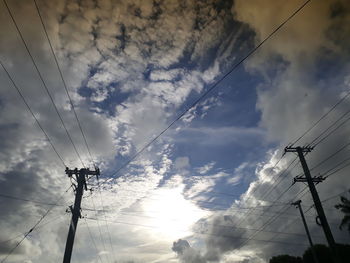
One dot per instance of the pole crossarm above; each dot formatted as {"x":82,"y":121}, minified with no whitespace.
{"x":83,"y":171}
{"x":304,"y":149}
{"x":315,"y":179}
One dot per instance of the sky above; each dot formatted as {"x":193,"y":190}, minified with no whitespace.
{"x":214,"y":186}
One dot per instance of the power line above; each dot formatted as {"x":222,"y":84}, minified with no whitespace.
{"x":107,"y":228}
{"x":329,"y":173}
{"x":64,"y":82}
{"x":322,"y":117}
{"x":33,"y":228}
{"x":29,"y":200}
{"x":334,"y":196}
{"x":309,"y":209}
{"x":278,"y":198}
{"x":334,"y":130}
{"x":337,"y":151}
{"x":42,"y":80}
{"x":134,"y":212}
{"x":272,"y":187}
{"x":41,"y":226}
{"x":281,"y":178}
{"x":329,"y":127}
{"x":330,"y":156}
{"x":98,"y":225}
{"x":211,"y":194}
{"x":196,"y":232}
{"x":92,"y":239}
{"x":211,"y":224}
{"x":281,"y":211}
{"x":251,"y":52}
{"x":104,"y":210}
{"x":32,"y":113}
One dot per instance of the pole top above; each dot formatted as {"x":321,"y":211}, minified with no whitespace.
{"x":296,"y":203}
{"x":82,"y":171}
{"x":306,"y":148}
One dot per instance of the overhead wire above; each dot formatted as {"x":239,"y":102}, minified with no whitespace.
{"x":196,"y":232}
{"x":64,"y":83}
{"x":107,"y":228}
{"x":330,"y":156}
{"x":300,"y":192}
{"x":136,"y":213}
{"x":193,"y":104}
{"x":92,"y":239}
{"x":218,"y":82}
{"x":32,"y":113}
{"x":105,"y":221}
{"x":334,"y":196}
{"x":309,"y":209}
{"x":331,"y":132}
{"x":99,"y":226}
{"x":210,"y":194}
{"x":42,"y":81}
{"x":272,"y":187}
{"x":333,"y":154}
{"x":278,"y":198}
{"x":205,"y":223}
{"x":29,"y":200}
{"x":31,"y":229}
{"x":281,"y":177}
{"x":270,"y":221}
{"x":322,"y":117}
{"x":329,"y":172}
{"x":22,"y":234}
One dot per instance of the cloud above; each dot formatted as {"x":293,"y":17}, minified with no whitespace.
{"x":206,"y":168}
{"x":131,"y":67}
{"x":186,"y":253}
{"x":294,"y":95}
{"x":299,"y":85}
{"x":209,"y":136}
{"x":182,"y":163}
{"x":180,"y":246}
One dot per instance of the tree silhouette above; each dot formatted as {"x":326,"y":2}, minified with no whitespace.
{"x":344,"y":206}
{"x":285,"y":259}
{"x":323,"y":254}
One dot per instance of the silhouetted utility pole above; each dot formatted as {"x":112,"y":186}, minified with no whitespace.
{"x":318,"y":205}
{"x":80,"y":177}
{"x":298,"y":204}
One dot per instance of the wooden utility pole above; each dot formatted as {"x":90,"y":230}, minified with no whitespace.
{"x":80,"y":177}
{"x":318,"y":205}
{"x":298,"y":204}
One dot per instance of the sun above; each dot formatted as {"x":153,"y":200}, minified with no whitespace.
{"x":170,"y":214}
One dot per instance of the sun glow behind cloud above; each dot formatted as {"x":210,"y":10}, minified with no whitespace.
{"x":174,"y":214}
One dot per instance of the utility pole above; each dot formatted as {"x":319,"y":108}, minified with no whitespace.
{"x":298,"y":204}
{"x":80,"y":177}
{"x":318,"y":205}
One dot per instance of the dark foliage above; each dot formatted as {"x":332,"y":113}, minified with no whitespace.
{"x":323,"y":255}
{"x":285,"y":259}
{"x":344,"y":206}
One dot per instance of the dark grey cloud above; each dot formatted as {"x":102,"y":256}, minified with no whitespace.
{"x":186,"y":253}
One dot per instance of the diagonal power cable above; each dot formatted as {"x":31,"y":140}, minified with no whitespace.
{"x":42,"y":80}
{"x":32,"y":113}
{"x":64,"y":83}
{"x":208,"y":91}
{"x":33,"y":228}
